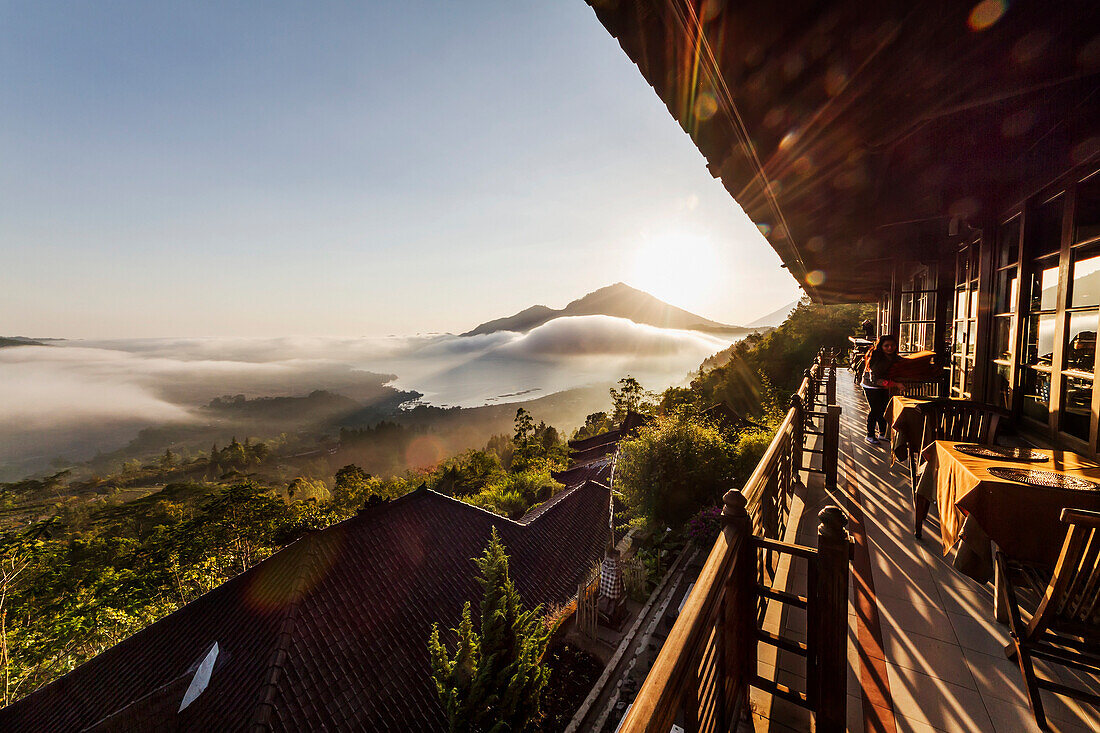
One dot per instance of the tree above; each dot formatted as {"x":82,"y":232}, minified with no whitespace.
{"x":495,"y":677}
{"x":16,"y":553}
{"x":675,"y":466}
{"x":677,"y":399}
{"x":525,"y":426}
{"x":596,"y":423}
{"x":236,"y":525}
{"x":260,"y":452}
{"x":349,"y":480}
{"x":630,"y":397}
{"x":303,"y":489}
{"x":780,"y":355}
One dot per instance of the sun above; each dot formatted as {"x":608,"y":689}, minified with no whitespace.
{"x":680,"y":268}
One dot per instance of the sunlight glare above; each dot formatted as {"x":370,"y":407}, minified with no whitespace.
{"x":680,"y":268}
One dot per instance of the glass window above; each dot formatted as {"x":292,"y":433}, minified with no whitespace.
{"x":1039,"y":340}
{"x":1008,"y":243}
{"x":1048,"y":227}
{"x":1001,"y":389}
{"x":960,"y":305}
{"x":1002,"y":337}
{"x":959,"y":367}
{"x":1081,"y":341}
{"x":960,"y":337}
{"x":1036,"y":392}
{"x":1086,"y":280}
{"x":1007,"y":289}
{"x":1044,"y":285}
{"x":1086,"y":223}
{"x":1077,"y":407}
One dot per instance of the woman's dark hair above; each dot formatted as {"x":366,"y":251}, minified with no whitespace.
{"x":875,"y":352}
{"x":886,"y":337}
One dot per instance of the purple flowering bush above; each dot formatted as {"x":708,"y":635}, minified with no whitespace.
{"x":704,"y":526}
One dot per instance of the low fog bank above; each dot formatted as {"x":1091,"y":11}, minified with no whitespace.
{"x":73,"y":399}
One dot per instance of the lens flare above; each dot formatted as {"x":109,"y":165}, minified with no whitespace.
{"x":985,"y":14}
{"x":424,"y":451}
{"x":705,"y":106}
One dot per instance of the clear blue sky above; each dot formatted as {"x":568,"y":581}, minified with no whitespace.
{"x":235,"y":169}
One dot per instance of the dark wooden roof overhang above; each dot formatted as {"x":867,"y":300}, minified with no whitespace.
{"x":857,"y":133}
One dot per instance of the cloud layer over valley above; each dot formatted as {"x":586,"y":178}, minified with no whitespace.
{"x":77,"y":397}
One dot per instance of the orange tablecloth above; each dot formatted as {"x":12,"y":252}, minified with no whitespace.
{"x":907,"y":423}
{"x":977,"y":507}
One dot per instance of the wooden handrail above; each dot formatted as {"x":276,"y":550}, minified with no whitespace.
{"x":755,"y":485}
{"x":708,"y":661}
{"x":659,"y":699}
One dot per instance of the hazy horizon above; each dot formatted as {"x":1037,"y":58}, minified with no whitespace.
{"x":185,"y":171}
{"x":74,"y":399}
{"x":423,"y":333}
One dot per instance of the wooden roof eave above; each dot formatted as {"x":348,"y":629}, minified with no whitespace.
{"x":841,"y":169}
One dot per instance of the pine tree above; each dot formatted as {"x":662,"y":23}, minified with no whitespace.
{"x":494,"y":680}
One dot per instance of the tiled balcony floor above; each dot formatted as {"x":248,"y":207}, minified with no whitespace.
{"x":937,"y":660}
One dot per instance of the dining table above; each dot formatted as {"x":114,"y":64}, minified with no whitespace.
{"x":979,"y":508}
{"x":906,"y":425}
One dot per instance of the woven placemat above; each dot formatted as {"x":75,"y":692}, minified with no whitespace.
{"x":1046,"y":479}
{"x":1001,"y":453}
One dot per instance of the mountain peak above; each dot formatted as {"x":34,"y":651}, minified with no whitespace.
{"x":618,"y":300}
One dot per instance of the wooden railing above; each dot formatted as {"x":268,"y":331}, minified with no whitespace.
{"x":702,"y":675}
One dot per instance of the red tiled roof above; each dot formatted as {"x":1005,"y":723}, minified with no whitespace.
{"x":629,"y":425}
{"x":611,"y":436}
{"x":577,"y":475}
{"x":329,"y":633}
{"x":535,"y":512}
{"x":581,"y":457}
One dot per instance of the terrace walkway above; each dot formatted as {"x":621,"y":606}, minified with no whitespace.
{"x":925,"y":653}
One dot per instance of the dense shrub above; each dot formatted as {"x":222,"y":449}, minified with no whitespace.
{"x":674,"y":466}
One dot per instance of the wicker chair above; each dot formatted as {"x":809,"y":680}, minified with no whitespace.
{"x":1065,"y":627}
{"x":958,"y":420}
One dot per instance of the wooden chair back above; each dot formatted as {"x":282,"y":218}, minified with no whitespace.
{"x":922,"y":389}
{"x":1065,"y":628}
{"x":959,"y":420}
{"x":1071,"y":602}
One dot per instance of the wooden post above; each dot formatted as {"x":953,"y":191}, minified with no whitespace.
{"x":811,"y":388}
{"x":827,"y":630}
{"x":830,"y":385}
{"x":830,"y":444}
{"x":739,"y":608}
{"x":798,"y":437}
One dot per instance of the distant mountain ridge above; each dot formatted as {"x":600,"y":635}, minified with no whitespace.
{"x":776,"y":317}
{"x":618,"y":300}
{"x":23,"y":341}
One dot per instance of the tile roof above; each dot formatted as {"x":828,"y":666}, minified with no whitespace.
{"x":599,"y":471}
{"x":628,"y":427}
{"x":581,"y":457}
{"x":611,"y":436}
{"x":329,"y":633}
